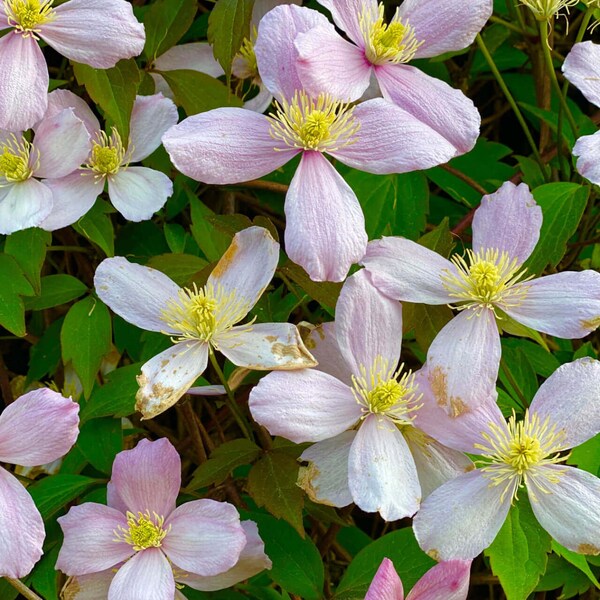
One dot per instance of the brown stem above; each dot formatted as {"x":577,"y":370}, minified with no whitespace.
{"x":189,"y":417}
{"x":269,"y":186}
{"x":460,"y":175}
{"x":7,"y":394}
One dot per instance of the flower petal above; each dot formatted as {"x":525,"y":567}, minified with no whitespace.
{"x":386,"y":584}
{"x":368,"y":325}
{"x":448,"y":580}
{"x":265,"y":346}
{"x":23,"y":81}
{"x":407,"y":271}
{"x":587,"y":149}
{"x":565,"y":304}
{"x":508,"y":221}
{"x":197,"y":56}
{"x":261,"y":101}
{"x":462,"y":517}
{"x":146,"y":576}
{"x":148,"y":477}
{"x":136,"y":293}
{"x":168,"y":375}
{"x":325,"y":232}
{"x":37,"y":428}
{"x":568,"y":508}
{"x":151,"y":117}
{"x":60,"y":99}
{"x":205,"y":537}
{"x":381,"y":471}
{"x":444,"y":109}
{"x":98,"y":33}
{"x":325,"y":479}
{"x":445,"y":25}
{"x":208,"y":390}
{"x":569,"y":399}
{"x":322,"y":344}
{"x":303,"y":406}
{"x":582,"y":69}
{"x":463,"y":361}
{"x":225,"y":145}
{"x":88,"y":587}
{"x":89,"y":544}
{"x":25,"y":205}
{"x":21,"y":528}
{"x":346,"y":15}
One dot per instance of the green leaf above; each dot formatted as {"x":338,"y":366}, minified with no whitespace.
{"x":439,"y":240}
{"x":100,"y":441}
{"x":85,"y":338}
{"x":45,"y":578}
{"x":577,"y":560}
{"x":13,"y":284}
{"x":165,"y":23}
{"x":212,"y":241}
{"x":52,"y":493}
{"x":587,"y":456}
{"x":28,"y":248}
{"x":97,"y":227}
{"x":56,"y":290}
{"x":114,"y":90}
{"x":181,"y":268}
{"x":45,"y":355}
{"x":426,"y":321}
{"x":272,"y":484}
{"x":519,"y":554}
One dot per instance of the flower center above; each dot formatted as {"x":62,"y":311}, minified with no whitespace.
{"x":322,"y":124}
{"x":485,"y":279}
{"x":544,"y":10}
{"x":108,"y":154}
{"x":27,"y":15}
{"x":387,"y":42}
{"x":15,"y":160}
{"x":143,"y":531}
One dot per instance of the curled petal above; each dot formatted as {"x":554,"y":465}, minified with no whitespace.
{"x":346,"y":15}
{"x":88,"y":587}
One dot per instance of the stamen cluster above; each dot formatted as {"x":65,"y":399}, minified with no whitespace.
{"x":18,"y":161}
{"x":108,"y":154}
{"x":26,"y":16}
{"x":143,"y":531}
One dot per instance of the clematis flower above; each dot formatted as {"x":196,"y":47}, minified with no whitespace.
{"x":359,"y":407}
{"x":94,"y":32}
{"x":447,"y":581}
{"x":201,"y":320}
{"x":149,"y":541}
{"x":325,"y":230}
{"x":581,"y":69}
{"x":463,"y":516}
{"x":463,"y":360}
{"x":28,"y":169}
{"x":37,"y":428}
{"x":136,"y":192}
{"x":380,"y":50}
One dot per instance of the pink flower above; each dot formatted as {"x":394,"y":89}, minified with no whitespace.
{"x":28,"y":169}
{"x":94,"y":32}
{"x":462,"y":517}
{"x":581,"y":69}
{"x":325,"y":230}
{"x":463,"y":360}
{"x":37,"y":428}
{"x":359,"y":407}
{"x":201,"y":320}
{"x":446,"y":581}
{"x":136,"y":192}
{"x":149,"y":541}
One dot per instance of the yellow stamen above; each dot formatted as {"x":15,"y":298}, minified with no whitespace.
{"x":245,"y":65}
{"x":143,"y":531}
{"x":108,"y":154}
{"x":26,"y":16}
{"x":18,"y":160}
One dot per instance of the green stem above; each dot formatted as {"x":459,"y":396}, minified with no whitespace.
{"x":231,"y":403}
{"x":23,"y":589}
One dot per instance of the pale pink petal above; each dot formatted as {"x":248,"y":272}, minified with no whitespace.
{"x":4,"y":24}
{"x":392,"y":140}
{"x":167,"y":376}
{"x":265,"y":346}
{"x":445,"y":25}
{"x":247,"y":267}
{"x":508,"y":220}
{"x":138,"y":192}
{"x":587,"y":149}
{"x":325,"y":479}
{"x":407,"y":271}
{"x":146,"y":576}
{"x":72,"y":197}
{"x":567,"y":507}
{"x":462,"y":517}
{"x":21,"y":528}
{"x":322,"y":344}
{"x":89,"y":544}
{"x":98,"y":33}
{"x":206,"y":537}
{"x":433,"y":102}
{"x":225,"y":145}
{"x":136,"y":293}
{"x":23,"y":81}
{"x":463,"y":361}
{"x":386,"y":584}
{"x":570,"y":399}
{"x":37,"y":428}
{"x":161,"y":86}
{"x":582,"y":69}
{"x":252,"y":560}
{"x":381,"y":471}
{"x":63,"y":143}
{"x":328,"y":63}
{"x":565,"y":304}
{"x":60,"y":99}
{"x":88,"y":587}
{"x":303,"y":406}
{"x":275,"y":51}
{"x":325,"y":231}
{"x":151,"y":117}
{"x":197,"y":56}
{"x":208,"y":390}
{"x":24,"y":205}
{"x":448,"y":581}
{"x":346,"y":15}
{"x":148,"y":478}
{"x":261,"y":101}
{"x":368,"y":325}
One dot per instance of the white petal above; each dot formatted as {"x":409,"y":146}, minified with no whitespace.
{"x":197,"y":56}
{"x":322,"y":344}
{"x":587,"y":149}
{"x":25,"y":205}
{"x":582,"y":69}
{"x":60,"y":99}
